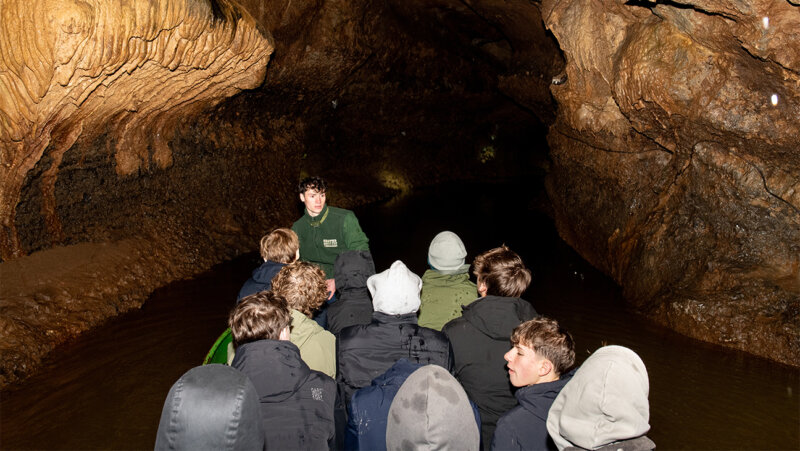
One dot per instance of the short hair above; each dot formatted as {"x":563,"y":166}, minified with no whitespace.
{"x":260,"y":316}
{"x":502,"y":271}
{"x":302,"y":284}
{"x":280,"y":245}
{"x":548,"y":339}
{"x":315,"y":183}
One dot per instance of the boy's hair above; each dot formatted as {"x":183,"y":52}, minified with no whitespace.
{"x":502,"y":271}
{"x":302,"y":284}
{"x":548,"y":339}
{"x":260,"y":316}
{"x":314,"y":183}
{"x":280,"y":246}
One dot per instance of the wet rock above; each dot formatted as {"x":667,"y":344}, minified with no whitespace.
{"x":675,"y":165}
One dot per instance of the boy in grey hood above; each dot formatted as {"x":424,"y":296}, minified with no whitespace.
{"x":431,"y":411}
{"x":604,"y":406}
{"x":211,"y":407}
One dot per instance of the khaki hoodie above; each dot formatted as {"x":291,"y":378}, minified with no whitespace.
{"x":317,"y":345}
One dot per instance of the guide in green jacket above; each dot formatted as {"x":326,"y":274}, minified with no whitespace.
{"x":325,"y":231}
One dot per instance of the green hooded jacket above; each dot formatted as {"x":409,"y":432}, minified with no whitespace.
{"x":442,"y":297}
{"x":317,"y":345}
{"x":324,"y":237}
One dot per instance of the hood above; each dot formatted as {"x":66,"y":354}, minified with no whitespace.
{"x":274,"y":367}
{"x":267,"y":270}
{"x":606,"y":401}
{"x":352,"y":269}
{"x":431,"y":411}
{"x":436,"y":278}
{"x":396,"y":290}
{"x":538,"y":398}
{"x":446,"y":254}
{"x":497,"y":316}
{"x":303,"y":328}
{"x":211,"y":407}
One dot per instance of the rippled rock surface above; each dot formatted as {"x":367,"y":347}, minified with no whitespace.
{"x":676,"y":166}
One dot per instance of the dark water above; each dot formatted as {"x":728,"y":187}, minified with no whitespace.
{"x":105,"y":390}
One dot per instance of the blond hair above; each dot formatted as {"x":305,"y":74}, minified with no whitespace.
{"x":280,"y":246}
{"x":302,"y":284}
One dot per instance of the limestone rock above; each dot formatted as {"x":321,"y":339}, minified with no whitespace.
{"x":675,"y":163}
{"x":73,"y":70}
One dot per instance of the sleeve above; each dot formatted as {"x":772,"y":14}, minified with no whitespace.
{"x":355,"y":238}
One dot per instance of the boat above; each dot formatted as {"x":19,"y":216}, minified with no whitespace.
{"x":221,"y":349}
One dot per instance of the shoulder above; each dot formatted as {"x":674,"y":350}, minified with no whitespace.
{"x":340,"y":212}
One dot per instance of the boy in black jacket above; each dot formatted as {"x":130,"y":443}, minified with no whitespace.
{"x":480,"y":336}
{"x":296,"y":401}
{"x":542,"y":353}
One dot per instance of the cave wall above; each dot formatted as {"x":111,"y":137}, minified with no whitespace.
{"x":675,"y":164}
{"x":160,"y":138}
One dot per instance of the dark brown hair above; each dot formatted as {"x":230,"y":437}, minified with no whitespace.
{"x":502,"y":271}
{"x":280,"y":246}
{"x":260,"y":316}
{"x":313,"y":183}
{"x":302,"y":284}
{"x":548,"y":339}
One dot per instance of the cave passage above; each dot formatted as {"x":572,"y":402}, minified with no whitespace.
{"x":107,"y":388}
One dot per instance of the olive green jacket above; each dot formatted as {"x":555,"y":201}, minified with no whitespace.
{"x":324,"y":237}
{"x":442,"y":297}
{"x":317,"y":345}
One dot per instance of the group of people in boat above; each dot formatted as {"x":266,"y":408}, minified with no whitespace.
{"x":330,"y":354}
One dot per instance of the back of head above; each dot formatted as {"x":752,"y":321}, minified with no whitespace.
{"x":446,"y":254}
{"x":280,"y":246}
{"x":396,"y":290}
{"x":503,"y":272}
{"x":606,"y":401}
{"x":431,"y":411}
{"x":211,"y":407}
{"x":302,"y":284}
{"x":260,"y":316}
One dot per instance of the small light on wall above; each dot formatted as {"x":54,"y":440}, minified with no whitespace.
{"x":774,"y":99}
{"x":765,"y":22}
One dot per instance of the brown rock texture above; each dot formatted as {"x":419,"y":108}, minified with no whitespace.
{"x":72,"y":70}
{"x":675,"y":161}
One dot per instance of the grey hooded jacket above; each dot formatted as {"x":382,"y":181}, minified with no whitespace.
{"x":213,"y":407}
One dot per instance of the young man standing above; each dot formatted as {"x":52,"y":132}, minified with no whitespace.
{"x":325,"y":231}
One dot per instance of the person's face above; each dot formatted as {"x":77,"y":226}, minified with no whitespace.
{"x":524,"y":366}
{"x":314,"y":201}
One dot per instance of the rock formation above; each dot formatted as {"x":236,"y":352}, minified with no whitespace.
{"x":675,"y":163}
{"x":143,"y":141}
{"x":73,"y":70}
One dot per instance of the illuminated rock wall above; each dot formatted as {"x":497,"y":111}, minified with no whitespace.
{"x":72,"y":70}
{"x":675,"y":161}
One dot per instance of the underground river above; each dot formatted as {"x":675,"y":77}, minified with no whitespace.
{"x":105,"y":390}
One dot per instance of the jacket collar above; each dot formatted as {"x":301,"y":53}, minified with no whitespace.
{"x":385,"y":318}
{"x":316,"y":221}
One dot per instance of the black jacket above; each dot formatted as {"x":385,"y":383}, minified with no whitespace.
{"x":354,"y":304}
{"x":261,"y":279}
{"x":480,"y":338}
{"x":525,"y":427}
{"x":296,"y":402}
{"x":364,"y":352}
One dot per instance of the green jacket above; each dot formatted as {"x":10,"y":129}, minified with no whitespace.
{"x":317,"y":345}
{"x":324,"y":237}
{"x":442,"y":297}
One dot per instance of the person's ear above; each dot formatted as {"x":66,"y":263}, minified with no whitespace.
{"x":545,"y":368}
{"x":286,"y":333}
{"x":482,"y":288}
{"x":302,"y":198}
